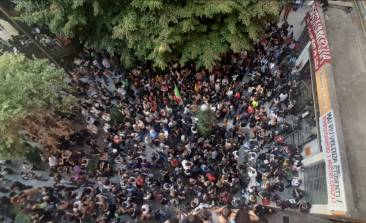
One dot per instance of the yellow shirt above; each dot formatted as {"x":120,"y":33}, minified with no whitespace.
{"x":255,"y":104}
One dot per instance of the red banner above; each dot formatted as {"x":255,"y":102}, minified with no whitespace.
{"x":318,"y":37}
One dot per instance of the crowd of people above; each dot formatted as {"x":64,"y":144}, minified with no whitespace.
{"x":152,"y":162}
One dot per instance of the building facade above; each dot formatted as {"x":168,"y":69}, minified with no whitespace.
{"x":331,"y":64}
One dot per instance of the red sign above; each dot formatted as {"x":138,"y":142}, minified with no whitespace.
{"x":318,"y":37}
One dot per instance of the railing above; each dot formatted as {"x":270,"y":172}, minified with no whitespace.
{"x":303,"y":40}
{"x":315,"y":184}
{"x":303,"y":98}
{"x":300,"y":137}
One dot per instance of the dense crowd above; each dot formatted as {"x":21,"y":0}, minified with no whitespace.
{"x":153,"y":163}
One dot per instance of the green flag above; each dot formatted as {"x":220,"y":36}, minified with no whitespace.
{"x":177,"y":96}
{"x":176,"y":91}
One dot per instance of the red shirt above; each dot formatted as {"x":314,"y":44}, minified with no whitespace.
{"x":211,"y":177}
{"x":174,"y":163}
{"x":279,"y":139}
{"x":266,"y":201}
{"x":140,"y":181}
{"x":250,"y":109}
{"x":117,"y":139}
{"x":237,"y":95}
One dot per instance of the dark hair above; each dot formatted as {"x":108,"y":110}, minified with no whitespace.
{"x":173,"y":220}
{"x":192,"y":219}
{"x":262,"y":220}
{"x":205,"y":214}
{"x":242,"y":216}
{"x":226,"y":212}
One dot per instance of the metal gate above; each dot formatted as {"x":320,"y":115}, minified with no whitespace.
{"x":315,"y":183}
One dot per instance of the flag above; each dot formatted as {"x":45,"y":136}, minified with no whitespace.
{"x":177,"y":96}
{"x":176,"y":91}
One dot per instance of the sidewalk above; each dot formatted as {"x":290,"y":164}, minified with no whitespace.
{"x":56,"y":56}
{"x":296,"y":18}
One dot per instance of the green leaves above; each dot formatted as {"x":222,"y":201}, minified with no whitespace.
{"x":147,"y":5}
{"x":77,"y":3}
{"x":162,"y":32}
{"x":189,"y":25}
{"x":206,"y":122}
{"x":116,"y":116}
{"x":25,"y":86}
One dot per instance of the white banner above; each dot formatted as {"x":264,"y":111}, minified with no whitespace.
{"x":330,"y":146}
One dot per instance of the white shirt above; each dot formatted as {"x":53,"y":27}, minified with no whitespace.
{"x":52,"y":161}
{"x":186,"y":164}
{"x":283,"y":97}
{"x":106,"y":63}
{"x":145,"y":209}
{"x":229,"y":93}
{"x":121,"y":91}
{"x":217,"y":87}
{"x":295,"y":182}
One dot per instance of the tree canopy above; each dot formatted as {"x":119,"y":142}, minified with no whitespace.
{"x":206,"y":122}
{"x":27,"y":87}
{"x":160,"y":31}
